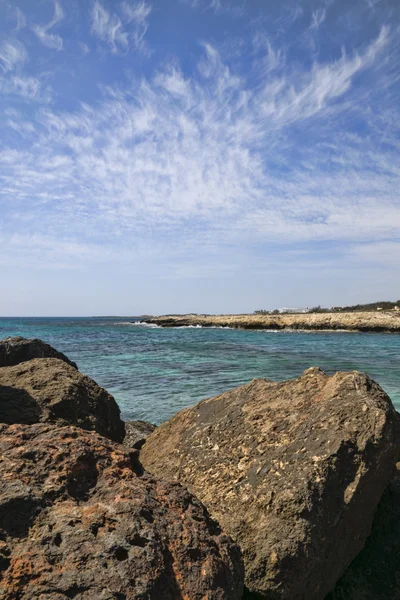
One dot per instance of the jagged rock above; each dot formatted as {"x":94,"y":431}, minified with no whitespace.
{"x":15,"y":350}
{"x":136,"y":433}
{"x":79,"y":519}
{"x":293,"y":471}
{"x":50,"y":390}
{"x":375,"y":573}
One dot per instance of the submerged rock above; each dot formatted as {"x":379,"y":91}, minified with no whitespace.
{"x":293,"y":471}
{"x":136,"y":433}
{"x":15,"y":350}
{"x":50,"y":390}
{"x":78,"y":519}
{"x":375,"y":573}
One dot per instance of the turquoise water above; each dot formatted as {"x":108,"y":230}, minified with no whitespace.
{"x":155,"y":372}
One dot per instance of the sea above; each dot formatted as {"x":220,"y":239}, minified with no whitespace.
{"x":154,"y":372}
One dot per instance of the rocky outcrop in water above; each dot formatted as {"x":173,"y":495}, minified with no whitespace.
{"x":50,"y":390}
{"x":136,"y":433}
{"x":383,"y":321}
{"x":79,"y":519}
{"x":15,"y":350}
{"x":293,"y":471}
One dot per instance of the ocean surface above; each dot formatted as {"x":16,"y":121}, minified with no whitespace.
{"x":154,"y":372}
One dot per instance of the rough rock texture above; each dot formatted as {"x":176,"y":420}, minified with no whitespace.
{"x":49,"y":390}
{"x":136,"y":433}
{"x":15,"y":350}
{"x":293,"y":471}
{"x":386,"y":320}
{"x":79,"y":520}
{"x":375,"y":573}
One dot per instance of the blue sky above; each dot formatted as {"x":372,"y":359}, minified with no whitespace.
{"x":198,"y":155}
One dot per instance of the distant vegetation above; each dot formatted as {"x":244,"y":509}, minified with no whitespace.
{"x":384,"y":305}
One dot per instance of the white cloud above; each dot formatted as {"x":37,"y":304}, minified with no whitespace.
{"x":215,"y":5}
{"x":203,"y":160}
{"x":108,"y":28}
{"x":20,"y":18}
{"x":12,"y":54}
{"x":51,"y":40}
{"x":120,"y":34}
{"x":235,"y":9}
{"x":385,"y":254}
{"x":84,"y":48}
{"x":29,"y":88}
{"x":318,"y":17}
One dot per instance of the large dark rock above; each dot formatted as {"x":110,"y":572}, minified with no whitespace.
{"x":15,"y":350}
{"x":293,"y":471}
{"x":136,"y":433}
{"x":375,"y":573}
{"x":78,"y":519}
{"x":50,"y":390}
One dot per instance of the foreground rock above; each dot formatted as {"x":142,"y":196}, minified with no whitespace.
{"x":79,"y":520}
{"x":136,"y":433}
{"x":293,"y":471}
{"x":49,"y":390}
{"x":15,"y":350}
{"x":375,"y":573}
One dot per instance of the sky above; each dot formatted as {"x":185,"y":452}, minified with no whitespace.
{"x":198,"y":155}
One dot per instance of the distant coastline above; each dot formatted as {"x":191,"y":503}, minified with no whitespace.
{"x":373,"y":321}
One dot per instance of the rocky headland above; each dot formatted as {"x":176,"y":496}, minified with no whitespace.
{"x":377,"y":321}
{"x":292,"y":486}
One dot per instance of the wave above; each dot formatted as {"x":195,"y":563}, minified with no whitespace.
{"x":139,"y":324}
{"x":202,"y":327}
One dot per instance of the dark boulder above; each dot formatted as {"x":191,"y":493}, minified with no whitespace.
{"x":136,"y":433}
{"x":79,"y":519}
{"x":50,"y":390}
{"x":293,"y":471}
{"x":375,"y":573}
{"x":15,"y":350}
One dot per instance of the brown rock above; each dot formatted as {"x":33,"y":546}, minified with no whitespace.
{"x":136,"y":433}
{"x":293,"y":471}
{"x":49,"y":390}
{"x":375,"y":573}
{"x":15,"y":350}
{"x":78,"y":519}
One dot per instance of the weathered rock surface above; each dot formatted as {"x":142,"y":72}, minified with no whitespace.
{"x":386,"y":320}
{"x":15,"y":350}
{"x":79,"y":520}
{"x":293,"y":471}
{"x":136,"y":433}
{"x":50,"y":390}
{"x":375,"y":573}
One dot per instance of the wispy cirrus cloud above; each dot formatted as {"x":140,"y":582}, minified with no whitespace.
{"x":12,"y":54}
{"x":51,"y":40}
{"x":13,"y":82}
{"x":29,"y":88}
{"x":20,"y":19}
{"x":233,"y":157}
{"x":119,"y":31}
{"x":318,"y":17}
{"x":212,"y":150}
{"x":235,"y":8}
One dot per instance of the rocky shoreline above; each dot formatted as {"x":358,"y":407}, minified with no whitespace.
{"x":376,"y":322}
{"x":277,"y":490}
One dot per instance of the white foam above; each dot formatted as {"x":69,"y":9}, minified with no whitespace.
{"x":144,"y":324}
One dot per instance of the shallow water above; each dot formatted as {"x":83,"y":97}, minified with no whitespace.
{"x":154,"y":372}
